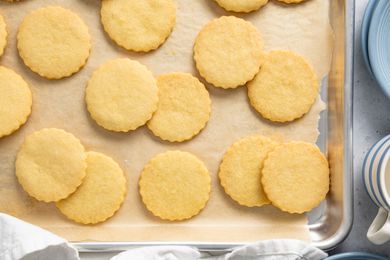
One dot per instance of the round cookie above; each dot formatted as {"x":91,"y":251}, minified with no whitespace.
{"x":175,"y":185}
{"x":53,"y":42}
{"x":50,"y":164}
{"x":285,"y":88}
{"x":228,"y":52}
{"x":3,"y":35}
{"x":296,"y":177}
{"x":184,"y":107}
{"x":138,"y":25}
{"x":240,"y":170}
{"x":101,"y":194}
{"x":15,"y":101}
{"x":121,"y":95}
{"x":244,"y":6}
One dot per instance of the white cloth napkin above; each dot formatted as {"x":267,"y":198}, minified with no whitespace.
{"x":20,"y":240}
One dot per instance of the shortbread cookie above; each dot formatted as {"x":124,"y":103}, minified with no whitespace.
{"x":244,"y":6}
{"x":175,"y":185}
{"x":50,"y":164}
{"x":101,"y":194}
{"x":285,"y":88}
{"x":228,"y":52}
{"x":53,"y":42}
{"x":3,"y":35}
{"x":138,"y":25}
{"x":122,"y":95}
{"x":240,"y":170}
{"x":15,"y":101}
{"x":184,"y":107}
{"x":296,"y":177}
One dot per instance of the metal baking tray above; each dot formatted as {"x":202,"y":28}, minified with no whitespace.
{"x":331,"y":222}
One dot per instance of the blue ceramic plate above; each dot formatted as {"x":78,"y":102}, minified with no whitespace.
{"x":364,"y":33}
{"x":379,"y":45}
{"x":356,"y":256}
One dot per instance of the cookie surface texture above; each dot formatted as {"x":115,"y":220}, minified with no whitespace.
{"x":53,"y":42}
{"x":244,"y":6}
{"x":240,"y":170}
{"x":285,"y":88}
{"x":296,"y":177}
{"x":121,"y":95}
{"x":138,"y":25}
{"x":228,"y":52}
{"x":292,"y":1}
{"x":175,"y":185}
{"x":50,"y":164}
{"x":15,"y":101}
{"x":100,"y":195}
{"x":3,"y":35}
{"x":183,"y":109}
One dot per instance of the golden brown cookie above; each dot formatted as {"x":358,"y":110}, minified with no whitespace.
{"x":175,"y":185}
{"x":228,"y":52}
{"x":240,"y":170}
{"x":138,"y":25}
{"x":122,"y":95}
{"x":244,"y":6}
{"x":183,"y":109}
{"x":101,"y":194}
{"x":53,"y":42}
{"x":285,"y":88}
{"x":296,"y":177}
{"x":15,"y":101}
{"x":50,"y":164}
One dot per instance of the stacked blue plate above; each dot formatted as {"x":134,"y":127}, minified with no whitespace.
{"x":375,"y":40}
{"x":356,"y":256}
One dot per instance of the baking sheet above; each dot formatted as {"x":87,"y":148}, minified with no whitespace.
{"x":302,"y":28}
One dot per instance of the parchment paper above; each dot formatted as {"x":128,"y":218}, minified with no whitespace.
{"x":303,"y":28}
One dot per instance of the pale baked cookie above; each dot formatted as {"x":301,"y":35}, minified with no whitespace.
{"x":285,"y":88}
{"x":121,"y":95}
{"x":101,"y":194}
{"x":296,"y":177}
{"x":50,"y":164}
{"x":184,"y":107}
{"x":240,"y":170}
{"x":53,"y":42}
{"x":138,"y":25}
{"x":3,"y":35}
{"x":15,"y":101}
{"x":228,"y":52}
{"x":244,"y":6}
{"x":175,"y":185}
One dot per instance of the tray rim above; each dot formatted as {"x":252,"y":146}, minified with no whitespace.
{"x":348,"y":192}
{"x":342,"y":232}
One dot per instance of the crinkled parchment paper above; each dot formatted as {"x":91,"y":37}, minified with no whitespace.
{"x":302,"y":28}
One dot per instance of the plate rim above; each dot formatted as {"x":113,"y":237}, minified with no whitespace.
{"x":373,"y":41}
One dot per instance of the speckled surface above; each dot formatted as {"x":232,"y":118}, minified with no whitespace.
{"x":371,"y":122}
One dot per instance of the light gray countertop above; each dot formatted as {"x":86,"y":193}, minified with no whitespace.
{"x":371,"y":122}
